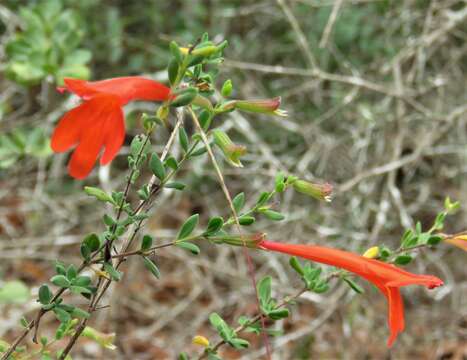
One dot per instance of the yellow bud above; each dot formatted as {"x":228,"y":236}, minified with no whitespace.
{"x":372,"y":252}
{"x":200,"y":340}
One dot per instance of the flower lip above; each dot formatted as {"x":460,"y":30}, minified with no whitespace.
{"x":262,"y":106}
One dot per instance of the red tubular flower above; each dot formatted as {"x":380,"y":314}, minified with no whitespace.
{"x":386,"y":277}
{"x":99,"y":122}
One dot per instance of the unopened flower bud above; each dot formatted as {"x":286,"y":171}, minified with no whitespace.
{"x":200,"y":340}
{"x":248,"y":240}
{"x":266,"y":106}
{"x":232,"y":151}
{"x":206,"y":49}
{"x":104,"y":340}
{"x":318,"y":191}
{"x":371,"y":253}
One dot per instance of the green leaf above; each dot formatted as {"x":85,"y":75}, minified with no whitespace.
{"x":183,"y":356}
{"x":60,"y":281}
{"x":24,"y":323}
{"x":238,"y":202}
{"x":205,"y":118}
{"x":82,"y":280}
{"x":99,"y":194}
{"x":136,"y":146}
{"x":246,"y":220}
{"x":199,"y":151}
{"x":60,"y":268}
{"x":71,"y":272}
{"x":273,"y":215}
{"x":85,"y":252}
{"x":173,"y":71}
{"x":118,"y":196}
{"x":238,"y":343}
{"x":403,"y":259}
{"x":185,"y":97}
{"x":43,"y":340}
{"x":264,"y":290}
{"x":418,"y":228}
{"x":149,"y":264}
{"x":115,"y":275}
{"x":321,"y":287}
{"x":434,"y":240}
{"x":263,"y":198}
{"x":227,"y":87}
{"x":80,"y":290}
{"x":188,"y":227}
{"x":296,"y":265}
{"x":172,"y":163}
{"x":188,"y":246}
{"x":175,"y":51}
{"x":143,"y":193}
{"x":408,"y":239}
{"x":175,"y":185}
{"x":146,"y":243}
{"x":92,"y":242}
{"x":278,"y":314}
{"x":439,"y":221}
{"x":451,"y":207}
{"x":385,"y":252}
{"x":108,"y":220}
{"x":80,"y":313}
{"x":62,"y":315}
{"x":214,"y":225}
{"x":183,"y":138}
{"x":279,"y":182}
{"x":157,"y":167}
{"x":220,"y":325}
{"x":355,"y":287}
{"x":45,"y":295}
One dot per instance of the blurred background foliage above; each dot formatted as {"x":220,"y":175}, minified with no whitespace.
{"x":377,"y":106}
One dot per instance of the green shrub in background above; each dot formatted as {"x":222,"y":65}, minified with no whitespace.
{"x":21,"y":142}
{"x":48,"y":44}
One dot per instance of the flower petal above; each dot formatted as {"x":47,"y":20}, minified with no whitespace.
{"x":79,"y":87}
{"x":114,"y":135}
{"x":102,"y":117}
{"x":69,"y":128}
{"x":133,"y":88}
{"x":396,"y":314}
{"x":85,"y":155}
{"x":126,"y":88}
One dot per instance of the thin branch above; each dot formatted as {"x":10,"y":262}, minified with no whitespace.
{"x":235,"y":216}
{"x":330,"y":24}
{"x":301,"y":38}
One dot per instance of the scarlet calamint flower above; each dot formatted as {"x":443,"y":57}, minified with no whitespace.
{"x":386,"y":277}
{"x":98,"y":122}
